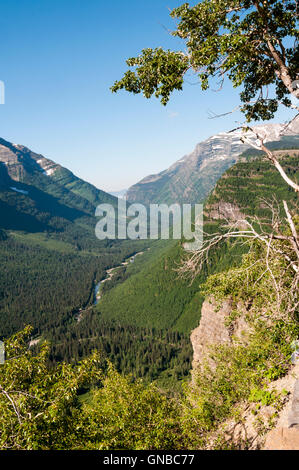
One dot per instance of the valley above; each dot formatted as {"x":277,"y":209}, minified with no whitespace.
{"x":149,"y":281}
{"x":87,"y":293}
{"x":110,"y":273}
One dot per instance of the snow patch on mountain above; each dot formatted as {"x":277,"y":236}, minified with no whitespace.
{"x":47,"y":166}
{"x":22,"y":191}
{"x":186,"y":177}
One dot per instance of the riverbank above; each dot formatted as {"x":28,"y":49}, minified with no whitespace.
{"x":110,"y":273}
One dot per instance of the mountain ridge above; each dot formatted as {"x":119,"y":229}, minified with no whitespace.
{"x":22,"y":164}
{"x":190,"y":179}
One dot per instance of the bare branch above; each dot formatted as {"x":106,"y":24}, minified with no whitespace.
{"x":12,"y":403}
{"x":270,"y":155}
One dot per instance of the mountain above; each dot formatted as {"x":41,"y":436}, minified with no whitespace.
{"x":50,"y":257}
{"x":120,"y":194}
{"x":191,"y":178}
{"x":38,"y":195}
{"x":25,"y":173}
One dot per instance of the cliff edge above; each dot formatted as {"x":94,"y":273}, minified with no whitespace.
{"x":269,"y":429}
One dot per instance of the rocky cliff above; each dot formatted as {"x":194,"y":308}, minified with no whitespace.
{"x":213,"y":330}
{"x":268,"y":430}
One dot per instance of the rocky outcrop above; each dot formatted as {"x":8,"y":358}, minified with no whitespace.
{"x":212,"y":329}
{"x":225,"y":210}
{"x":294,"y":412}
{"x":19,"y":160}
{"x":283,"y":439}
{"x":285,"y":435}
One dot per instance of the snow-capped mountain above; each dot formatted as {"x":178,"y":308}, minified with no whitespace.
{"x":191,"y":178}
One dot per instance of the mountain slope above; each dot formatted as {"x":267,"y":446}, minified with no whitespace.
{"x":155,"y":295}
{"x":191,"y":179}
{"x":21,"y":169}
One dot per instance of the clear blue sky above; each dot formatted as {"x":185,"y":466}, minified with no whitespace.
{"x":58,"y":60}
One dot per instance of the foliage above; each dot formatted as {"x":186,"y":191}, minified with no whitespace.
{"x":159,"y":72}
{"x":262,"y":284}
{"x":264,"y":397}
{"x":40,"y":408}
{"x":246,"y":40}
{"x":125,"y":415}
{"x":241,"y":371}
{"x":153,"y":355}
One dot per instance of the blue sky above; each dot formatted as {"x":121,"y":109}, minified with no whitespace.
{"x":58,"y":59}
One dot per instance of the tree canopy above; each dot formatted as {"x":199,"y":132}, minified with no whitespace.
{"x":253,"y":43}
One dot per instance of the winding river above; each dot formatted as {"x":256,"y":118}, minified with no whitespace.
{"x":110,"y":273}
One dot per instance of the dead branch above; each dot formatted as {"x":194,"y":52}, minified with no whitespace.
{"x":270,"y":155}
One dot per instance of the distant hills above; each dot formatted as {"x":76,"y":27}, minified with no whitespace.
{"x":120,"y":194}
{"x":192,"y":178}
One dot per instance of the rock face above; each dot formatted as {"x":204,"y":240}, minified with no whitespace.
{"x":19,"y":160}
{"x":225,"y":210}
{"x":294,"y":412}
{"x":212,"y":329}
{"x":283,"y":439}
{"x":285,"y":436}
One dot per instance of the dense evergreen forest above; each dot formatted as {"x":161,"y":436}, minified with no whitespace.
{"x":161,"y":356}
{"x":45,"y":287}
{"x":249,"y":184}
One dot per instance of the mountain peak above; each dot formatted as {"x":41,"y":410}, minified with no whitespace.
{"x":190,"y":179}
{"x":19,"y":159}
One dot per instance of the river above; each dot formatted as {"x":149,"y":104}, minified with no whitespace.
{"x":110,"y":273}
